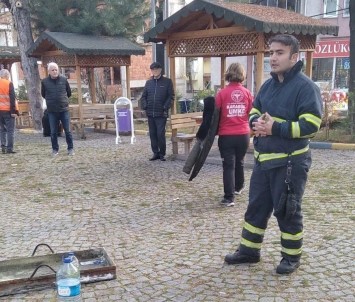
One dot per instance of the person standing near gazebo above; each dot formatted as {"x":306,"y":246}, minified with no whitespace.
{"x":56,"y":91}
{"x":8,"y":112}
{"x":156,"y":100}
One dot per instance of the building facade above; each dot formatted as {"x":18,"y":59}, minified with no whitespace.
{"x":331,"y":61}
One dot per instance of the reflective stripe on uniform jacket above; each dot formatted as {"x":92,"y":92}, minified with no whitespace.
{"x":296,"y":106}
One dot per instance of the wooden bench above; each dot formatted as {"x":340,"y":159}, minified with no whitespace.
{"x":99,"y":115}
{"x":25,"y":117}
{"x":186,"y":122}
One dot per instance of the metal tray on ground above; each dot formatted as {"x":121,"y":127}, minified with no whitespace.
{"x":21,"y":275}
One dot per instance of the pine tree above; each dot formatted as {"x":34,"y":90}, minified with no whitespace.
{"x":108,"y":17}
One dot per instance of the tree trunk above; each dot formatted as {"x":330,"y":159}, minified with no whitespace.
{"x":351,"y":104}
{"x":22,"y":21}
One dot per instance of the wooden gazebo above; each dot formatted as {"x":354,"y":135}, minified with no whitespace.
{"x":206,"y":28}
{"x":9,"y":55}
{"x":84,"y":51}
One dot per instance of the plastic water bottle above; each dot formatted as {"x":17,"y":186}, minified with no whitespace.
{"x":68,"y":281}
{"x":74,"y":260}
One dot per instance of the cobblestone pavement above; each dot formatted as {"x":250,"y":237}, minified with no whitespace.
{"x":168,"y":236}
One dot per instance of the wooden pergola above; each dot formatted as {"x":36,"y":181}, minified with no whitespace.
{"x":84,"y":51}
{"x":206,"y":28}
{"x":9,"y":55}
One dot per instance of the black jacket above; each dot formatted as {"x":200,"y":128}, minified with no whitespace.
{"x":157,"y":97}
{"x":56,"y":92}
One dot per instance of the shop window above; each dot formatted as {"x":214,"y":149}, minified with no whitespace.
{"x":346,"y":12}
{"x":282,"y":4}
{"x":322,"y":70}
{"x":342,"y":73}
{"x":330,"y":8}
{"x":294,"y":5}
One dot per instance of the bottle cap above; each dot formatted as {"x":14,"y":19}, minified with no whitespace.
{"x":67,"y":260}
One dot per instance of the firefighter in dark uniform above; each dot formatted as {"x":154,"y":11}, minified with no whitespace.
{"x":286,"y":113}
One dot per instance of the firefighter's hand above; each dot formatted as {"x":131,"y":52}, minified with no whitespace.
{"x":263,"y":125}
{"x":269,"y":121}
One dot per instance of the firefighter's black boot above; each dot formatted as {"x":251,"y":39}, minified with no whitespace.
{"x":287,"y":266}
{"x":238,"y":258}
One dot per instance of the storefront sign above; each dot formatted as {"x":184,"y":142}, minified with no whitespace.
{"x":339,"y":48}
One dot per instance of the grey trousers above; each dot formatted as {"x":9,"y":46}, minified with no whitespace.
{"x":7,"y":130}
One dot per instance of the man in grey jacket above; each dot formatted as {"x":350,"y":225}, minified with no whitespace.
{"x":56,"y":90}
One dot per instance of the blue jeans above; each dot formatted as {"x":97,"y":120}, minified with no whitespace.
{"x":54,"y":118}
{"x":7,"y":130}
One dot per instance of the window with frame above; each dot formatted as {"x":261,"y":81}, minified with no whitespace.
{"x":330,"y":8}
{"x":342,"y":73}
{"x":292,"y":5}
{"x":322,"y":70}
{"x":346,"y":12}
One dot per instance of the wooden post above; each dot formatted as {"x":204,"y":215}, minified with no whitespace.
{"x":173,"y":105}
{"x":92,"y":86}
{"x":45,"y":68}
{"x":128,"y":82}
{"x":112,"y":76}
{"x":223,"y":70}
{"x":80,"y":99}
{"x":259,"y":72}
{"x":259,"y":68}
{"x":173,"y":78}
{"x":309,"y":63}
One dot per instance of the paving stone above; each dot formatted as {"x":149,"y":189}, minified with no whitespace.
{"x":166,"y":235}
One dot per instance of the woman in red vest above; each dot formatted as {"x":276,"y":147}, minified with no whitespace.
{"x":235,"y":103}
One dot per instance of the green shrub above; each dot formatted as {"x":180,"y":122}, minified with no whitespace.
{"x":21,"y":93}
{"x":197,"y":102}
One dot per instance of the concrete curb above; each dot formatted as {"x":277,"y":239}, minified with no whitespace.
{"x":29,"y":130}
{"x":331,"y":146}
{"x":313,"y":145}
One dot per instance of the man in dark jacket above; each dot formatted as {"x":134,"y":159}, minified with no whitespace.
{"x":56,"y":90}
{"x":286,"y":113}
{"x":156,"y":100}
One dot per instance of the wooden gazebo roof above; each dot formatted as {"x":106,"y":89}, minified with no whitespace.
{"x":215,"y":28}
{"x":9,"y":55}
{"x":84,"y":51}
{"x":70,"y":49}
{"x":259,"y":18}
